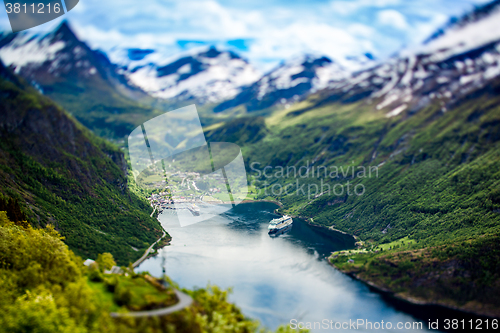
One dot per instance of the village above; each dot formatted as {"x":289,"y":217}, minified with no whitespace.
{"x":187,"y":187}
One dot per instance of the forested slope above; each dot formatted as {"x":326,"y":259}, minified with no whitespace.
{"x":61,"y":174}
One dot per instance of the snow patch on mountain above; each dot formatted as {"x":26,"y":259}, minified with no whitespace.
{"x":450,"y":65}
{"x":27,"y":49}
{"x":289,"y":82}
{"x":316,"y":72}
{"x":460,"y":39}
{"x":206,"y":75}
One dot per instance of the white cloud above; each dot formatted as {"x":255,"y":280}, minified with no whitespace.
{"x":313,"y":38}
{"x":391,"y":17}
{"x":277,"y":32}
{"x":278,"y":29}
{"x":424,"y":29}
{"x":347,"y":7}
{"x":361,"y":30}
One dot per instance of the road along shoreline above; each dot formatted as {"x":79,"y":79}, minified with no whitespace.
{"x":147,"y":252}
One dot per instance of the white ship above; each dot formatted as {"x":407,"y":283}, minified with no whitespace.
{"x":280,"y":225}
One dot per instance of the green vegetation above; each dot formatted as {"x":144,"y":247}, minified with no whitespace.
{"x":101,"y":100}
{"x":435,"y":174}
{"x":162,"y":243}
{"x":105,"y":261}
{"x":59,"y":173}
{"x":463,"y":274}
{"x":98,"y":105}
{"x":46,"y":288}
{"x":42,"y":285}
{"x":131,"y":292}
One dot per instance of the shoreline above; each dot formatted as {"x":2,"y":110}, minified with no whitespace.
{"x":331,"y":229}
{"x":271,"y":201}
{"x":308,"y":221}
{"x":383,"y":291}
{"x":148,"y":253}
{"x":407,"y":300}
{"x":389,"y":293}
{"x":413,"y":302}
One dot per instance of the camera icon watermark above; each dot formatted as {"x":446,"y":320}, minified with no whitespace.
{"x":194,"y":179}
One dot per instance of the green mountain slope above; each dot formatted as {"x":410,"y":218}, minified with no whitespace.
{"x":431,"y":176}
{"x":61,"y":174}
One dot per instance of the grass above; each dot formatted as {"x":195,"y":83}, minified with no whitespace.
{"x":395,"y":244}
{"x":143,"y":294}
{"x":369,"y":248}
{"x":104,"y":296}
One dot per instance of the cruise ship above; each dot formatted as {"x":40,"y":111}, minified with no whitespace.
{"x":280,"y":225}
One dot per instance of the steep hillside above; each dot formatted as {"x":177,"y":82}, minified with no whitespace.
{"x":80,"y":79}
{"x":416,"y":162}
{"x":405,"y":154}
{"x":431,"y":177}
{"x":61,"y":174}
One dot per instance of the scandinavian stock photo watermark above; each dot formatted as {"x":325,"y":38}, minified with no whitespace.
{"x":312,"y":181}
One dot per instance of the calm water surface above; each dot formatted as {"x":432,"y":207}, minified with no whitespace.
{"x":274,"y":279}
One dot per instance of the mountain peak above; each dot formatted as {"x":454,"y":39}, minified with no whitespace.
{"x":213,"y":52}
{"x":479,"y":13}
{"x":64,"y":32}
{"x":206,"y":74}
{"x":287,"y":83}
{"x":472,"y":30}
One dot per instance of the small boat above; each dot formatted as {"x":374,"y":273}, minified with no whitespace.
{"x":280,"y":225}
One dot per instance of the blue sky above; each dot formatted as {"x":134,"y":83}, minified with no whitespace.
{"x":264,"y":31}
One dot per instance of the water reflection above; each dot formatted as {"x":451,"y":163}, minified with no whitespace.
{"x":273,"y":279}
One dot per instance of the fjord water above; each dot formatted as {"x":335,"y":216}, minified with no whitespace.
{"x":274,"y":280}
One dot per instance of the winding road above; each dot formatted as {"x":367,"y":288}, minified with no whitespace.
{"x":184,"y":301}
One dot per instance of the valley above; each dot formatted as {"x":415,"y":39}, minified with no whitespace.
{"x":401,"y":153}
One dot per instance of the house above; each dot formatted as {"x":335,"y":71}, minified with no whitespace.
{"x":350,"y":261}
{"x":114,"y":270}
{"x":88,"y":262}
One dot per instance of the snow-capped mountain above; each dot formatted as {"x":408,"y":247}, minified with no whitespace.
{"x":205,"y":76}
{"x":291,"y":81}
{"x":60,"y":57}
{"x":60,"y":61}
{"x":81,"y":80}
{"x":459,"y":59}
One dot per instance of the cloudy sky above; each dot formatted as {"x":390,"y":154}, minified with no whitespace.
{"x":264,"y":31}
